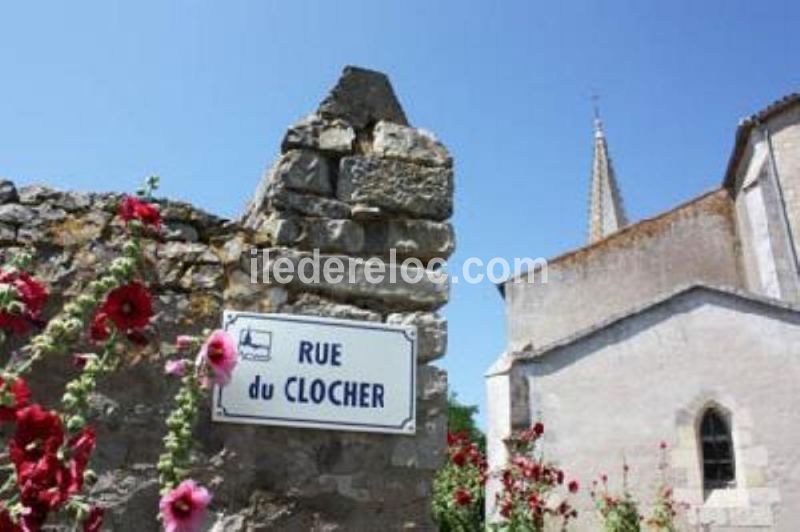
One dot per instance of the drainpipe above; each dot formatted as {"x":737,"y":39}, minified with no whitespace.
{"x":773,"y":174}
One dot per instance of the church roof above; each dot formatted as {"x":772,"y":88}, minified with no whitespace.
{"x":747,"y":124}
{"x":530,"y":353}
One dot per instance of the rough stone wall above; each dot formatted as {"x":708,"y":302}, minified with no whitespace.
{"x":353,"y":180}
{"x":620,"y":391}
{"x":695,"y":242}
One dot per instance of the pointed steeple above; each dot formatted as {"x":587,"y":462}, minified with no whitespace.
{"x":606,"y":213}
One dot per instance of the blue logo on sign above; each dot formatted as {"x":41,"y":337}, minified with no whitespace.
{"x":255,"y":344}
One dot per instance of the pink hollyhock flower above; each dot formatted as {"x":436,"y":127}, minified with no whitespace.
{"x":176,"y":367}
{"x":184,"y":508}
{"x":219,"y":351}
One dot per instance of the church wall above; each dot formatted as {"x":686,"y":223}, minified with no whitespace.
{"x":693,"y":243}
{"x":617,"y":394}
{"x":768,"y":208}
{"x":785,"y":132}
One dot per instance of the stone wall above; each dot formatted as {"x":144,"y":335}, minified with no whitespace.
{"x":353,"y":180}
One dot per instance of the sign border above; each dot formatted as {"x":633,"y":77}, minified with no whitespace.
{"x":409,"y":332}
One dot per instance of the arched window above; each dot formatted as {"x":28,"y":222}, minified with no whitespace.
{"x":718,"y":461}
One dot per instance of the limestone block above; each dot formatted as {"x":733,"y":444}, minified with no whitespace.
{"x":8,"y":192}
{"x":306,"y":204}
{"x":401,"y":142}
{"x":314,"y":305}
{"x":431,"y":333}
{"x":334,"y":236}
{"x":304,"y":171}
{"x":363,"y":97}
{"x":397,"y":186}
{"x":7,"y":233}
{"x":318,"y":133}
{"x":13,"y":213}
{"x":422,"y":239}
{"x":348,"y":278}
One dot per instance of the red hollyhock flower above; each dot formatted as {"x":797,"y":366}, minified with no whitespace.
{"x":573,"y":486}
{"x":459,"y":458}
{"x":98,"y":330}
{"x":19,"y":389}
{"x":33,"y":296}
{"x":80,"y":446}
{"x":39,"y":432}
{"x":132,"y":208}
{"x":462,"y":497}
{"x":94,"y":521}
{"x":129,"y":307}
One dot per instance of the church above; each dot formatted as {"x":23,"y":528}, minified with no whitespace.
{"x":683,"y":328}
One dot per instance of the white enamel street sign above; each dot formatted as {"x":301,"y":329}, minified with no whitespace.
{"x":304,"y":371}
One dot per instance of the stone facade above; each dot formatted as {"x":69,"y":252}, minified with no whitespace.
{"x":269,"y":478}
{"x":633,"y":337}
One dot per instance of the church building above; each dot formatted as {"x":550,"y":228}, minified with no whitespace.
{"x":683,"y":328}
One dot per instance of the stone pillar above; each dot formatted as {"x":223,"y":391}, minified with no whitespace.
{"x":355,"y":181}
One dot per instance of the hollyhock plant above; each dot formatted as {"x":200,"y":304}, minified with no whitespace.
{"x":49,"y":452}
{"x":16,"y":396}
{"x":184,"y":508}
{"x":219,"y":354}
{"x":666,"y":509}
{"x":22,"y":299}
{"x":530,"y":496}
{"x":618,"y":512}
{"x":458,"y":488}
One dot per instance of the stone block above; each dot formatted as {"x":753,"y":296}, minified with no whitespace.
{"x":318,"y":133}
{"x":334,"y":236}
{"x":356,"y":279}
{"x":431,"y":333}
{"x":13,"y":213}
{"x":363,"y":97}
{"x":286,"y":200}
{"x":401,"y":142}
{"x":304,"y":171}
{"x":314,"y":305}
{"x":422,"y":239}
{"x":8,"y":192}
{"x":397,"y":186}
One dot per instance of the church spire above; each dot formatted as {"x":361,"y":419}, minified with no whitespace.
{"x":606,"y":214}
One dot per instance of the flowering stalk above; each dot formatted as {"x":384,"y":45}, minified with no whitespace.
{"x":174,"y":463}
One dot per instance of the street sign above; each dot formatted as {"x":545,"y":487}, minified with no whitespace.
{"x":304,"y":371}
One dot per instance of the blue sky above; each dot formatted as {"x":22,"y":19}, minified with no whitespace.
{"x":95,"y":95}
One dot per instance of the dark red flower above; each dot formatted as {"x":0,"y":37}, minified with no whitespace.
{"x":460,"y":458}
{"x":132,"y":208}
{"x":94,"y":520}
{"x":462,"y":497}
{"x":98,"y":330}
{"x":39,"y":432}
{"x":21,"y":395}
{"x":129,"y":307}
{"x":573,"y":486}
{"x":80,"y":446}
{"x":538,"y":429}
{"x":31,"y":294}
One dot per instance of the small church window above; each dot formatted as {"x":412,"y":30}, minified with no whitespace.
{"x":718,"y":460}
